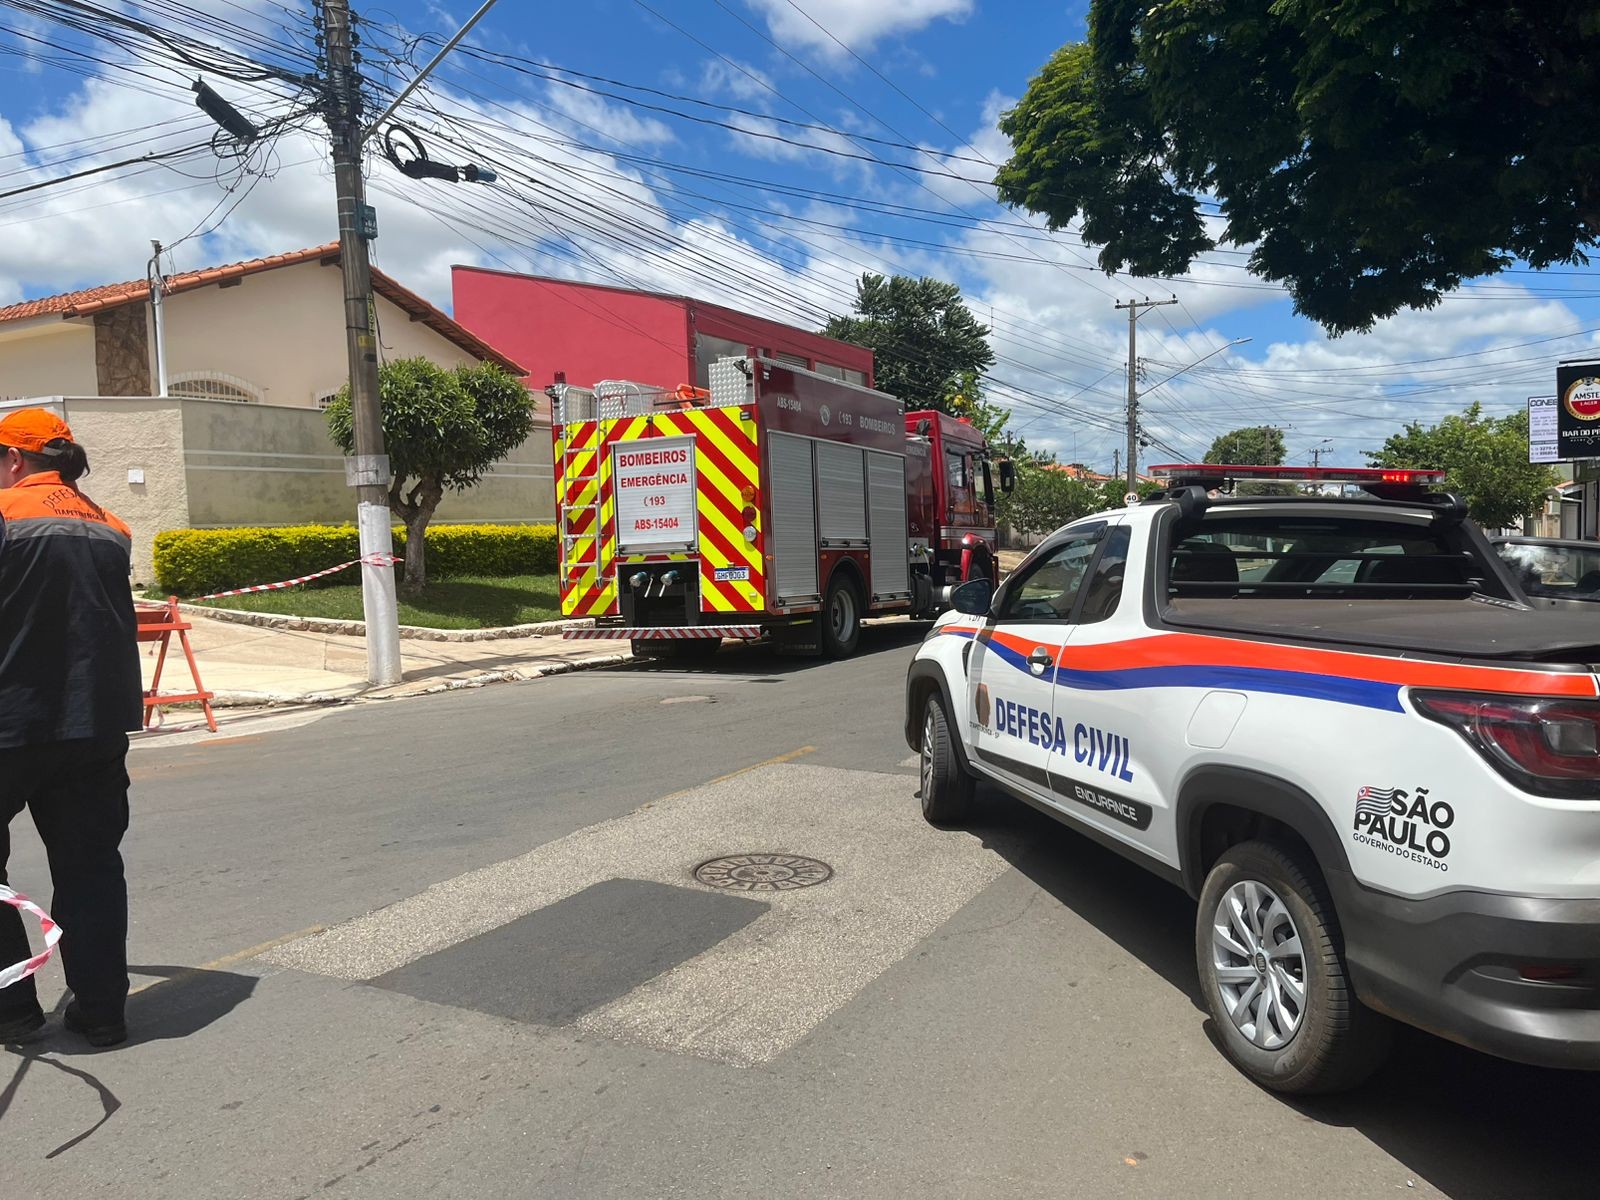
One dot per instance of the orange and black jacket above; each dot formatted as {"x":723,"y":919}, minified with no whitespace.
{"x":69,"y":656}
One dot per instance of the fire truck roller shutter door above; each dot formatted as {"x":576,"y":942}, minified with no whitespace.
{"x":886,"y":492}
{"x":794,"y":517}
{"x":842,"y":494}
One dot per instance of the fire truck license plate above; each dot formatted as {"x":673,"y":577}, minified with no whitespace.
{"x":655,"y":488}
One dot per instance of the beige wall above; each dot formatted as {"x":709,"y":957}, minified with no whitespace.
{"x":47,"y":357}
{"x":283,"y":332}
{"x":128,"y":436}
{"x":258,"y":464}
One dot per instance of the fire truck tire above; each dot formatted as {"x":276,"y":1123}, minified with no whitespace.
{"x":841,"y":618}
{"x":947,"y":790}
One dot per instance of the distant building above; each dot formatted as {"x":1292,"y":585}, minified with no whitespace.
{"x":588,"y":332}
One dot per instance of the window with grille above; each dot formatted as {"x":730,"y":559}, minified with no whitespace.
{"x":214,"y":387}
{"x":326,"y":398}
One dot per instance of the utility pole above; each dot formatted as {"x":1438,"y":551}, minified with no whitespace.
{"x":1116,"y":463}
{"x":368,"y":469}
{"x":158,"y":318}
{"x":1133,"y":307}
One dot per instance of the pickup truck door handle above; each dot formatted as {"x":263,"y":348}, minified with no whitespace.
{"x":1040,"y":660}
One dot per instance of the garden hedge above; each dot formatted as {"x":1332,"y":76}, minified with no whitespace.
{"x":192,"y":562}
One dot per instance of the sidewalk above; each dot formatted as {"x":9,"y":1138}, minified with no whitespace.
{"x":247,"y":665}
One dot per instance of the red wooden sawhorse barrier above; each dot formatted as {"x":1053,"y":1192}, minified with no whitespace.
{"x":158,"y":624}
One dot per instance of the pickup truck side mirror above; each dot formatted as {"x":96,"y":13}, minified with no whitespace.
{"x":973,"y":597}
{"x":1008,"y":477}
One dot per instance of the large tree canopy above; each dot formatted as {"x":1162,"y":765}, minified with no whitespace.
{"x":1373,"y":154}
{"x":928,"y":348}
{"x":1253,"y":446}
{"x":1486,"y":459}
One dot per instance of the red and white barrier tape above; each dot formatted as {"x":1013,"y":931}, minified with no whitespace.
{"x":661,"y":633}
{"x":17,"y":972}
{"x":379,"y":560}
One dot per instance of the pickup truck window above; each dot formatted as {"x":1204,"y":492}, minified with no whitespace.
{"x":1050,"y":588}
{"x":1295,"y":556}
{"x":1568,"y":571}
{"x":1104,"y":589}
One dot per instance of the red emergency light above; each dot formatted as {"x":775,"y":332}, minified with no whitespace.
{"x":1216,"y":473}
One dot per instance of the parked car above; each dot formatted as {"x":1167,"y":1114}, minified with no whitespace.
{"x":1337,"y":725}
{"x":1553,"y":572}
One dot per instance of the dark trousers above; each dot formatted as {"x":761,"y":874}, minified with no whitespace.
{"x":77,"y":793}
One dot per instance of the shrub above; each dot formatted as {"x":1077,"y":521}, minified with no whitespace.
{"x":193,"y":562}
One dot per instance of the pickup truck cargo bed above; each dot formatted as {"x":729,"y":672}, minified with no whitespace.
{"x":1470,"y":628}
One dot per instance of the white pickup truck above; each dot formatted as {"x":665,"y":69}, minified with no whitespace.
{"x":1338,"y":725}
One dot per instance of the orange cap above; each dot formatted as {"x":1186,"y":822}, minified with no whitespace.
{"x":31,"y":430}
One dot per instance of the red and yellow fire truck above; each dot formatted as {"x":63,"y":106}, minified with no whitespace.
{"x":779,"y":502}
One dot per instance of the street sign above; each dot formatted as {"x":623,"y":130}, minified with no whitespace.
{"x":1543,"y":439}
{"x":1578,"y":413}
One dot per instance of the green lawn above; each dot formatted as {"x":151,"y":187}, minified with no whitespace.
{"x":470,"y":602}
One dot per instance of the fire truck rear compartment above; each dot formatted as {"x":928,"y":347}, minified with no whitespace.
{"x":659,"y":593}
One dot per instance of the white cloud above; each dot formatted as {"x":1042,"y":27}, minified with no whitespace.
{"x":742,"y":81}
{"x":615,"y":122}
{"x":857,"y":23}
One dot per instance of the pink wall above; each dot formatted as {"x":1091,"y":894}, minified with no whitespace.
{"x":593,"y":332}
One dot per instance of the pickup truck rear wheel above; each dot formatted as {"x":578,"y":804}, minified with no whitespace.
{"x":1273,"y":975}
{"x":947,"y":790}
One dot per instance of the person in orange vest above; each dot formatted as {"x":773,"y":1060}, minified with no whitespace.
{"x":70,"y":690}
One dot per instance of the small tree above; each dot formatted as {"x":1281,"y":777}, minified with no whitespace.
{"x":1046,"y":498}
{"x":1486,"y":459}
{"x":1114,"y":493}
{"x":442,"y":429}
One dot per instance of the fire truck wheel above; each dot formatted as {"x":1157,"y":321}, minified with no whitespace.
{"x":841,"y":618}
{"x":947,"y":790}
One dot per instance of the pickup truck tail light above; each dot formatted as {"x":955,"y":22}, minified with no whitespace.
{"x":1551,"y":747}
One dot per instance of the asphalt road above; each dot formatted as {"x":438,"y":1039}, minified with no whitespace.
{"x":452,"y":946}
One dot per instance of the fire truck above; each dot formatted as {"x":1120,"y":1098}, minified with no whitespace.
{"x":779,"y":502}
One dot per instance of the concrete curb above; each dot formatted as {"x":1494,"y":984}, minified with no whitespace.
{"x":514,"y":675}
{"x":275,"y":699}
{"x":244,"y":699}
{"x":421,"y":633}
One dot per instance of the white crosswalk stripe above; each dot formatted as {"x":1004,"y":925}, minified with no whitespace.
{"x":757,"y":993}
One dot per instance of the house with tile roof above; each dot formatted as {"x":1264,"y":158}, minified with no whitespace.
{"x":254,"y":351}
{"x":266,"y":331}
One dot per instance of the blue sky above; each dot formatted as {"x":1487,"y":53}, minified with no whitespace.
{"x":762,"y":216}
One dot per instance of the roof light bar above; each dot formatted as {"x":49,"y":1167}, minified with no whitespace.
{"x":1201,"y":472}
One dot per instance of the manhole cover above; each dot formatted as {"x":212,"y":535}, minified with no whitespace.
{"x":762,"y":872}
